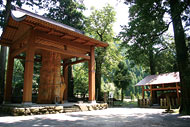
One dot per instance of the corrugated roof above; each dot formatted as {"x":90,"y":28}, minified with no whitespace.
{"x":166,"y":78}
{"x":47,"y":25}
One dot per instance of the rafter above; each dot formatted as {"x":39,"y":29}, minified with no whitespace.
{"x":61,"y":51}
{"x":21,"y":39}
{"x":18,"y":51}
{"x":57,"y":39}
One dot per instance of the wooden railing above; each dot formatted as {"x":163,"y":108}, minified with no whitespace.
{"x":173,"y":102}
{"x":164,"y":103}
{"x":144,"y":102}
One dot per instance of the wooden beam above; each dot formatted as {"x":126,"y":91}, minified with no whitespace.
{"x":70,"y":33}
{"x":65,"y":73}
{"x":154,"y":89}
{"x":177,"y":91}
{"x":151,"y":94}
{"x":75,"y":62}
{"x":12,"y":27}
{"x":23,"y":58}
{"x":91,"y":75}
{"x":142,"y":92}
{"x":51,"y":31}
{"x":64,"y":52}
{"x":18,"y":51}
{"x":57,"y":39}
{"x":5,"y":42}
{"x":20,"y":40}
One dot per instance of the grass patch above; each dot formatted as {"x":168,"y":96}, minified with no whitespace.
{"x":126,"y":104}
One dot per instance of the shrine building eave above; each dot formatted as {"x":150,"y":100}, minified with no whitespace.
{"x":167,"y":78}
{"x":17,"y":27}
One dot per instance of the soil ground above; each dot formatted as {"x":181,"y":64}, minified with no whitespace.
{"x":112,"y":117}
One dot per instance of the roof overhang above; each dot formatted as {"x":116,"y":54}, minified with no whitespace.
{"x":47,"y":25}
{"x":166,"y":78}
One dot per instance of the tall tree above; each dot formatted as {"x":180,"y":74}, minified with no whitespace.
{"x":100,"y":26}
{"x":69,"y":12}
{"x":142,"y":37}
{"x":122,"y":78}
{"x":175,"y":8}
{"x":4,"y":17}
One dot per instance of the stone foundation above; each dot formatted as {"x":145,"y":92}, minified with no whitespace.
{"x":19,"y":110}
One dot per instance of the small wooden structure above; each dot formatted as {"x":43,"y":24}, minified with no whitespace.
{"x":57,"y":44}
{"x":163,"y":82}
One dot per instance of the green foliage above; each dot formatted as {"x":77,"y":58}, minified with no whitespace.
{"x":122,"y":77}
{"x":5,"y":8}
{"x":18,"y":78}
{"x":80,"y":73}
{"x":99,"y":25}
{"x":108,"y":87}
{"x":143,"y":38}
{"x":68,"y":12}
{"x":111,"y":59}
{"x":137,"y":73}
{"x":132,"y":96}
{"x":176,"y":9}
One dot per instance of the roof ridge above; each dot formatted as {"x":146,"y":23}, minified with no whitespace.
{"x":47,"y":19}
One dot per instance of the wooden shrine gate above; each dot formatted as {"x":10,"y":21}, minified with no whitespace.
{"x":57,"y":44}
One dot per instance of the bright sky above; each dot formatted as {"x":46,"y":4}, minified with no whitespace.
{"x":120,"y":8}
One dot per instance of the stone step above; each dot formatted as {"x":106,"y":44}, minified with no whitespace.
{"x":18,"y":110}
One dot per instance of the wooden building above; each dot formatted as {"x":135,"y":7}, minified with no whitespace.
{"x":165,"y":84}
{"x":57,"y":44}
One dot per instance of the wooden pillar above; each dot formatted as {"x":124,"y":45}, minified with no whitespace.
{"x":177,"y":91}
{"x":9,"y":76}
{"x":28,"y":70}
{"x":65,"y":72}
{"x":142,"y":92}
{"x":91,"y":75}
{"x":28,"y":76}
{"x":151,"y":94}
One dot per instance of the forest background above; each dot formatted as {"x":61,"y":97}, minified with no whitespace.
{"x":142,"y":47}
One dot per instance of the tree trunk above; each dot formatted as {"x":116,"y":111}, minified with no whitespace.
{"x":182,"y":56}
{"x":3,"y":52}
{"x":152,"y":72}
{"x":98,"y":75}
{"x":122,"y":94}
{"x":151,"y":62}
{"x":70,"y":83}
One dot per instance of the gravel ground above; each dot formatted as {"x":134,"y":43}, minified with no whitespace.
{"x":112,"y":117}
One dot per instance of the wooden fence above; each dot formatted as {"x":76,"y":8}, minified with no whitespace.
{"x":165,"y":103}
{"x":144,"y":103}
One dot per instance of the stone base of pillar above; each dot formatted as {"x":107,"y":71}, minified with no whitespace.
{"x":92,"y":102}
{"x":27,"y":103}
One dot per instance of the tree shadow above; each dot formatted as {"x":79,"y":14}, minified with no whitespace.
{"x":99,"y":119}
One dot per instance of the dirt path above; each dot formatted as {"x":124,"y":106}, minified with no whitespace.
{"x":112,"y":117}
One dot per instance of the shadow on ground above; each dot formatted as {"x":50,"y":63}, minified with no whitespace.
{"x":113,"y":117}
